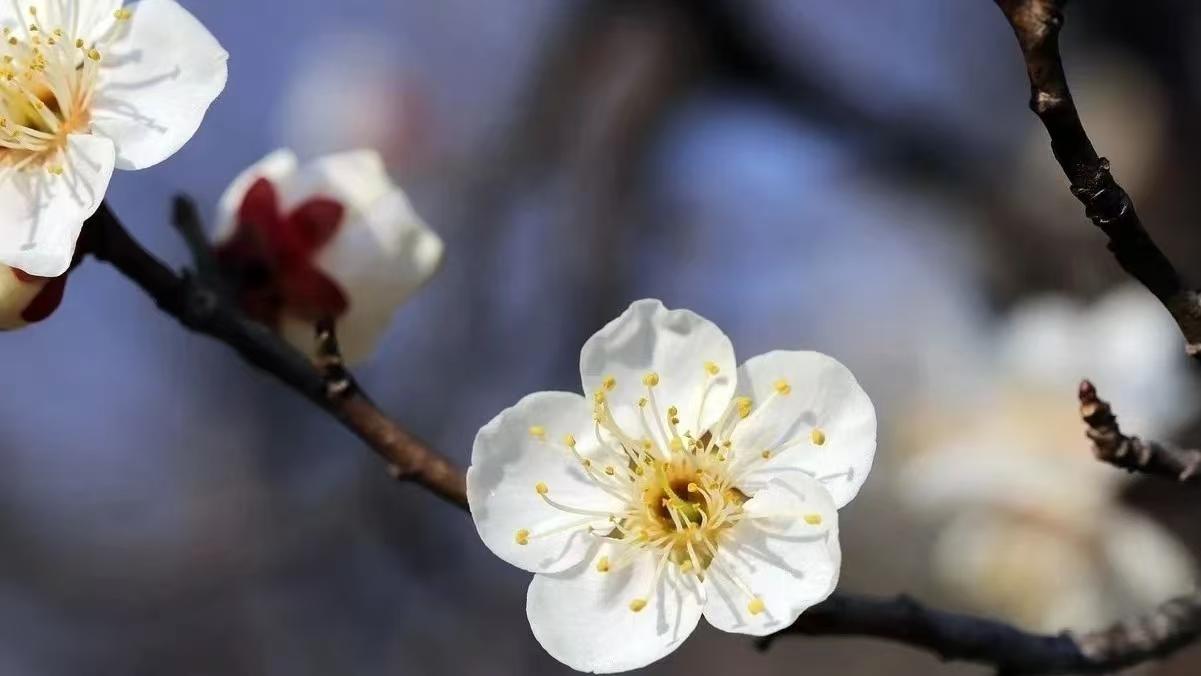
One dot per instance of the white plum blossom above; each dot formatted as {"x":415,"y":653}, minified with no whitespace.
{"x":87,"y":86}
{"x":25,"y":299}
{"x":1033,"y":526}
{"x":332,"y":238}
{"x":680,"y":485}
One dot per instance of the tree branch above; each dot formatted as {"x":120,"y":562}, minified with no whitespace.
{"x":1037,"y":24}
{"x":954,"y":636}
{"x":328,"y":384}
{"x":1131,"y":453}
{"x":201,"y":308}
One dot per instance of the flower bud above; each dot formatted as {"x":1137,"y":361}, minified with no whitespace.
{"x":333,"y":238}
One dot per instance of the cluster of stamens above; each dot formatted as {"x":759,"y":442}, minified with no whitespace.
{"x":48,"y":77}
{"x":678,"y":489}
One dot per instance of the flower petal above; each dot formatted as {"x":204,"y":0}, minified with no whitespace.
{"x":43,"y":213}
{"x":156,"y":83}
{"x":380,"y":259}
{"x":520,"y":448}
{"x":674,"y":344}
{"x":785,"y":553}
{"x":825,"y":425}
{"x":356,"y":178}
{"x":276,"y":167}
{"x":584,"y":618}
{"x":92,"y":17}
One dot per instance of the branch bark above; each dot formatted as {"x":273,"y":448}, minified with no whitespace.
{"x":954,"y":636}
{"x":202,"y":308}
{"x":1037,"y":24}
{"x":1132,"y":453}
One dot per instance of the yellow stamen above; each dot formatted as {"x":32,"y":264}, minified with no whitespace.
{"x":817,"y":436}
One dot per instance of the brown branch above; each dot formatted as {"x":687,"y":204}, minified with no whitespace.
{"x":1132,"y":453}
{"x":1037,"y":24}
{"x":331,"y":386}
{"x":954,"y":636}
{"x":202,"y":308}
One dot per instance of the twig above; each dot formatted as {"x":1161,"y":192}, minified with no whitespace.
{"x":186,"y":219}
{"x":1132,"y":453}
{"x":953,"y":636}
{"x":1037,"y":24}
{"x":202,"y":309}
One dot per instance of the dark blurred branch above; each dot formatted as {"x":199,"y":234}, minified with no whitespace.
{"x":1131,"y":453}
{"x":954,"y":636}
{"x":199,"y":307}
{"x":1037,"y":24}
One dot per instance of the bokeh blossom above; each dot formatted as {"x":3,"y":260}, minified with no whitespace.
{"x":1032,"y":525}
{"x":682,"y":485}
{"x":87,"y":86}
{"x":332,"y":238}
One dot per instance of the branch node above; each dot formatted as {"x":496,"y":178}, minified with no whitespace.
{"x":1130,"y":452}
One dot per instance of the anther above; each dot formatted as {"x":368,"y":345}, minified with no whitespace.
{"x":782,"y":387}
{"x":817,"y":436}
{"x":711,"y":368}
{"x":651,"y":379}
{"x":538,"y":431}
{"x":756,"y":606}
{"x":609,"y":383}
{"x":813,"y":519}
{"x":522,"y":537}
{"x":542,"y":488}
{"x":766,"y":455}
{"x":744,"y":406}
{"x":637,"y":604}
{"x":569,"y":440}
{"x":603,"y":564}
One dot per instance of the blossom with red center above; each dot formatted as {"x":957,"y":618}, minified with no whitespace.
{"x":269,"y":257}
{"x":331,"y":238}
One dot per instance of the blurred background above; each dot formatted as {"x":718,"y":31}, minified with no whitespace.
{"x":857,"y":177}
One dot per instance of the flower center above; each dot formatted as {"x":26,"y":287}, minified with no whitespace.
{"x":687,"y":502}
{"x":48,"y":74}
